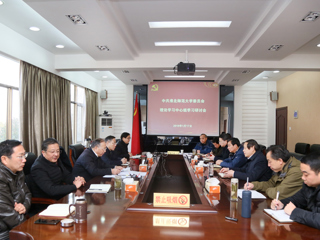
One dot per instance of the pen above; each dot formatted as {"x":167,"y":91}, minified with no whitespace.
{"x":277,"y":199}
{"x":232,"y":219}
{"x":247,"y":182}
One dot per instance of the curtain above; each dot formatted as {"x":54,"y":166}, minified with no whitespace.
{"x":44,"y":108}
{"x":91,"y":113}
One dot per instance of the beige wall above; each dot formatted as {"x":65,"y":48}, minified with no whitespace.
{"x":301,"y":91}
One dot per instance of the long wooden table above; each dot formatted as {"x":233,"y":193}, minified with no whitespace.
{"x":135,"y":218}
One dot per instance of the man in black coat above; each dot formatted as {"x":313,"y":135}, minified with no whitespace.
{"x":49,"y":178}
{"x":110,"y":157}
{"x":256,"y":167}
{"x":304,"y":206}
{"x":15,"y":197}
{"x":89,"y":164}
{"x":121,"y":149}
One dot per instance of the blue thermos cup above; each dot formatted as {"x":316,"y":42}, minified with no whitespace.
{"x":246,"y":204}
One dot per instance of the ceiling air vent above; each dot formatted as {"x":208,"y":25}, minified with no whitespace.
{"x":77,"y":19}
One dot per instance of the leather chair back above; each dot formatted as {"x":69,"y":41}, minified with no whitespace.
{"x":30,"y":160}
{"x":75,"y":151}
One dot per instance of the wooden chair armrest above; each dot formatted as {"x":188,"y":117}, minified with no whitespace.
{"x":35,"y":200}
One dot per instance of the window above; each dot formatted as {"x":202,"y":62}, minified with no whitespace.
{"x":9,"y":99}
{"x":77,"y":113}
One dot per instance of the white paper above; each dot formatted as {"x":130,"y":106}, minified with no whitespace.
{"x":254,"y":194}
{"x":279,"y":215}
{"x":216,"y":166}
{"x":57,"y":210}
{"x":113,"y":176}
{"x":99,"y":188}
{"x":136,"y":156}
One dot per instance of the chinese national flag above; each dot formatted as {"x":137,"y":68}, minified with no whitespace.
{"x":136,"y":129}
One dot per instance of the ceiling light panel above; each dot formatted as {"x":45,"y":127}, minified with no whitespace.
{"x":186,"y":43}
{"x":34,"y":29}
{"x":77,"y":19}
{"x":311,"y":16}
{"x":190,"y":24}
{"x":275,"y":47}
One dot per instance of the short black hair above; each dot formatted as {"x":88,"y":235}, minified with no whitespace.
{"x":96,"y":142}
{"x":278,"y":151}
{"x":313,"y":160}
{"x":252,"y":143}
{"x":225,"y":136}
{"x":215,"y":140}
{"x":234,"y":141}
{"x":109,"y":138}
{"x":6,"y":147}
{"x":203,"y":134}
{"x":124,"y":135}
{"x":47,"y":142}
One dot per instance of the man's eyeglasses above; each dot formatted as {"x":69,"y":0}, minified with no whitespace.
{"x":23,"y":156}
{"x":53,"y":152}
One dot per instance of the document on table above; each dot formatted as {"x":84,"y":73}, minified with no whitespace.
{"x":254,"y":194}
{"x":99,"y":188}
{"x":128,"y":173}
{"x":136,"y":156}
{"x":57,"y":210}
{"x":278,"y":215}
{"x":113,"y":176}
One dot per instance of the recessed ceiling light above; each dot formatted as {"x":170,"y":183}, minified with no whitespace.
{"x":275,"y":47}
{"x":103,"y":48}
{"x":318,"y":45}
{"x":104,"y":76}
{"x":196,"y":71}
{"x":35,"y":29}
{"x":186,"y":43}
{"x":1,"y":3}
{"x":184,"y":76}
{"x":276,"y":71}
{"x":311,"y":16}
{"x":96,"y":71}
{"x":265,"y":77}
{"x":77,"y":19}
{"x":190,"y":24}
{"x":59,"y":46}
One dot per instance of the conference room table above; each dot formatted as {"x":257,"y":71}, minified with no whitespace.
{"x":131,"y":215}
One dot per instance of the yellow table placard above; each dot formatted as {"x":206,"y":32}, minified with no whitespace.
{"x":174,"y":200}
{"x":171,"y":220}
{"x":173,"y":152}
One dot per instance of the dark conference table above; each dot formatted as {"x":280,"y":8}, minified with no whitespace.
{"x":134,"y":217}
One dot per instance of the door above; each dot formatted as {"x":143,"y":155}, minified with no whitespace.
{"x":281,"y":126}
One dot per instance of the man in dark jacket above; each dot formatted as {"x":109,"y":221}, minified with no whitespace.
{"x":223,"y":141}
{"x":304,"y":206}
{"x":49,"y":178}
{"x":89,"y":164}
{"x":15,"y":197}
{"x":204,"y":146}
{"x":121,"y":149}
{"x":256,"y":167}
{"x":237,"y":159}
{"x":109,"y":157}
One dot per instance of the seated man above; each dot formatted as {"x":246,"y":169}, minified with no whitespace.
{"x":15,"y":197}
{"x":48,"y":176}
{"x":237,"y":159}
{"x":287,"y":179}
{"x":217,"y":147}
{"x":109,"y":156}
{"x":89,"y":163}
{"x":256,"y":167}
{"x":121,"y":149}
{"x":223,"y":141}
{"x":304,"y":206}
{"x":204,"y":146}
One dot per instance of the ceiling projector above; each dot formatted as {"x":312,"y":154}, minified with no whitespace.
{"x":185,"y":68}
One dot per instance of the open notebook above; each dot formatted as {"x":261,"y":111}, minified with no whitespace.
{"x":60,"y":210}
{"x":254,"y":194}
{"x":278,"y":215}
{"x":99,"y":188}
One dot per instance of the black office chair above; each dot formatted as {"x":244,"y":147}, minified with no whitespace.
{"x":29,"y":161}
{"x":300,"y":150}
{"x":315,"y":148}
{"x":75,"y":151}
